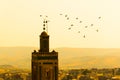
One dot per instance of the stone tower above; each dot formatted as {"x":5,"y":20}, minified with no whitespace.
{"x":44,"y":63}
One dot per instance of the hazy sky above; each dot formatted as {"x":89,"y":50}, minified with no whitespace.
{"x":21,"y":25}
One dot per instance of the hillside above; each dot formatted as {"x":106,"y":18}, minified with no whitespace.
{"x":68,"y":57}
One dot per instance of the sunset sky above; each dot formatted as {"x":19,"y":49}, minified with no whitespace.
{"x":21,"y":24}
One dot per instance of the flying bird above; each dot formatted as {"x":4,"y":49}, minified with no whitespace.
{"x":68,"y":18}
{"x":69,"y":28}
{"x":84,"y":36}
{"x":91,"y":24}
{"x":97,"y":30}
{"x":80,"y":21}
{"x":77,"y":18}
{"x":86,"y":26}
{"x":66,"y":15}
{"x":40,"y":15}
{"x":71,"y":24}
{"x":99,"y":17}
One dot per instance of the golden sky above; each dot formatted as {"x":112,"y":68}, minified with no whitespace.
{"x":21,"y":25}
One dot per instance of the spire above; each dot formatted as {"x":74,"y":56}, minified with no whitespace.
{"x":45,"y":23}
{"x":44,"y":37}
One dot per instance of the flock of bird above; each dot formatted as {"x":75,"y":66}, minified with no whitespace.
{"x":71,"y":25}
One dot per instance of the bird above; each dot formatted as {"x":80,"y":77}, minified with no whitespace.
{"x":67,"y":18}
{"x":80,"y":21}
{"x":99,"y":17}
{"x":91,"y":24}
{"x":97,"y":30}
{"x":86,"y":26}
{"x":66,"y":15}
{"x":78,"y":31}
{"x":69,"y":28}
{"x":71,"y":24}
{"x":84,"y":36}
{"x":77,"y":18}
{"x":40,"y":15}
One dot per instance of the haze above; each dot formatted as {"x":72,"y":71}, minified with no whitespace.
{"x":20,"y":57}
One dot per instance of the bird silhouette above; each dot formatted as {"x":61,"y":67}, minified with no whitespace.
{"x":91,"y":25}
{"x":40,"y":15}
{"x":86,"y":26}
{"x":67,"y":18}
{"x":99,"y":17}
{"x":78,"y":31}
{"x":77,"y":18}
{"x":84,"y":36}
{"x":72,"y":25}
{"x":66,"y":15}
{"x":97,"y":30}
{"x":80,"y":21}
{"x":69,"y":28}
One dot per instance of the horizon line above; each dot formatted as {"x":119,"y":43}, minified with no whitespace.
{"x":68,"y":47}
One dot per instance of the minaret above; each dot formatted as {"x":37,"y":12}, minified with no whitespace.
{"x":44,"y":63}
{"x":44,"y":38}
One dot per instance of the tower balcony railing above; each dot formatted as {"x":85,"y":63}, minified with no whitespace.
{"x":44,"y":53}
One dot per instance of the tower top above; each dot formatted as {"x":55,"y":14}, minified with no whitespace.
{"x":44,"y":34}
{"x":45,"y":23}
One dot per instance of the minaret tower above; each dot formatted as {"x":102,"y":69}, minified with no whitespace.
{"x":44,"y":63}
{"x":44,"y":38}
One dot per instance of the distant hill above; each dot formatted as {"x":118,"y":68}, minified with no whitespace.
{"x":68,"y":57}
{"x":6,"y":67}
{"x":17,"y":56}
{"x":89,"y":57}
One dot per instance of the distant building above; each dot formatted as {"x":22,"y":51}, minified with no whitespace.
{"x":44,"y":63}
